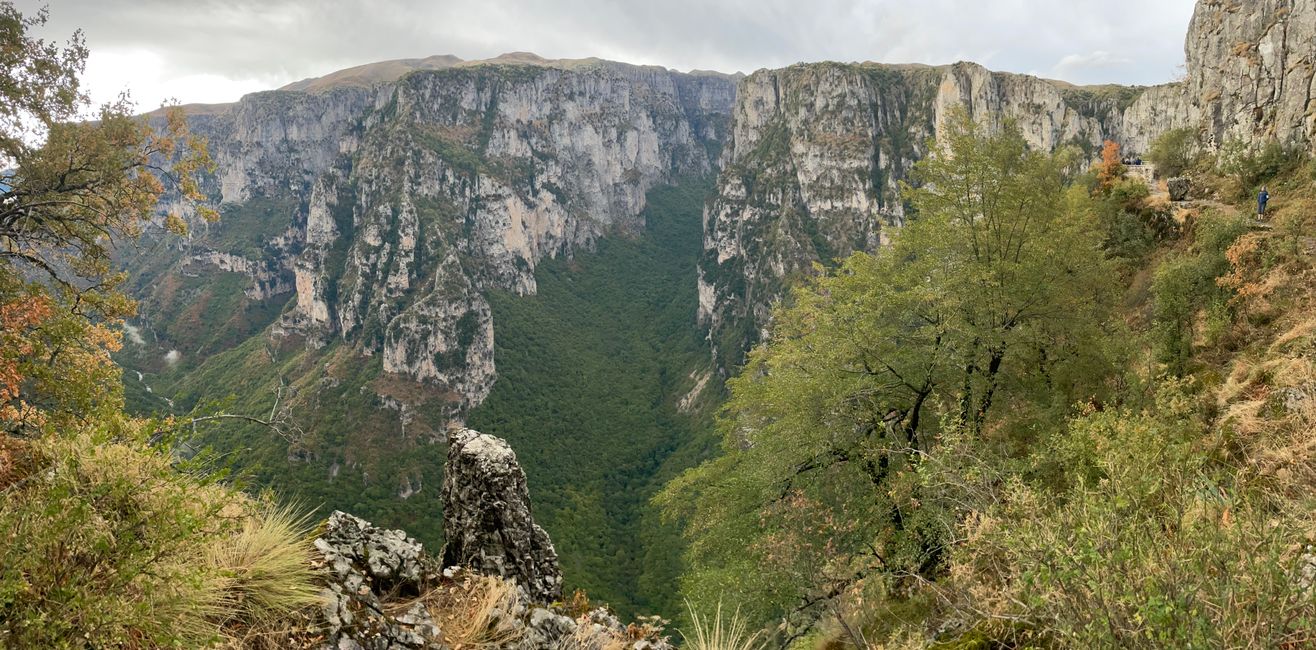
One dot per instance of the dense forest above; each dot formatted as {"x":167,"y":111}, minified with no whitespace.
{"x":591,"y":371}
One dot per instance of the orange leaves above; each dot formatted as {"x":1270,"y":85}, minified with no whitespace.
{"x":17,"y":318}
{"x":1110,"y":169}
{"x":1244,"y":262}
{"x":24,"y":312}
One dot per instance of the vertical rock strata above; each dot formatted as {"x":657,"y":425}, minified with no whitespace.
{"x":414,"y":198}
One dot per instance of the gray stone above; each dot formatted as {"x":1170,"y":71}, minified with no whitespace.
{"x":363,"y":566}
{"x":546,"y":629}
{"x":354,"y":549}
{"x":1179,"y":188}
{"x":487,"y":523}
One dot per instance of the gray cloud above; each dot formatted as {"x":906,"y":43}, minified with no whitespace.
{"x":207,"y":47}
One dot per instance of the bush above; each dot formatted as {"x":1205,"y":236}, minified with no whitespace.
{"x":109,"y":543}
{"x":1172,"y":152}
{"x":1249,"y":168}
{"x":1133,"y":226}
{"x":1130,"y":558}
{"x":1187,"y":283}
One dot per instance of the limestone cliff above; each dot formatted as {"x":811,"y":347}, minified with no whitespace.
{"x":812,"y":169}
{"x":1250,"y":70}
{"x":403,"y":202}
{"x":816,"y":151}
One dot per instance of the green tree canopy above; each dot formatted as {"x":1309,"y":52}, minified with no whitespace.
{"x":990,"y":304}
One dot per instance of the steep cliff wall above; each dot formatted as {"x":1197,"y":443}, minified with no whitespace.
{"x":406,"y":201}
{"x":1250,"y":69}
{"x":812,"y":169}
{"x":817,"y":150}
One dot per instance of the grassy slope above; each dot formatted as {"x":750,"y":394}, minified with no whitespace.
{"x":590,"y":371}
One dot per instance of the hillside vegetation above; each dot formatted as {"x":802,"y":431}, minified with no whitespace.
{"x":1058,"y":411}
{"x":590,"y":374}
{"x":110,"y":537}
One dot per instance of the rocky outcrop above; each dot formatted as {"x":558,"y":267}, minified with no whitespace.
{"x":487,"y":523}
{"x":364,"y":565}
{"x":383,"y":593}
{"x":1179,"y":188}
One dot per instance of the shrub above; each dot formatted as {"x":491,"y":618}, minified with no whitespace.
{"x":110,"y":544}
{"x":1172,"y":152}
{"x":1249,"y":168}
{"x":1130,"y":558}
{"x":1187,"y":283}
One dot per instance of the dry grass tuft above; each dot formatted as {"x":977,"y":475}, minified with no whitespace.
{"x":474,"y":611}
{"x":264,"y":569}
{"x":719,"y":633}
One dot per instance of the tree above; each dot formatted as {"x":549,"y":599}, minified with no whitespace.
{"x":1172,"y":152}
{"x":1110,"y":169}
{"x":996,"y":293}
{"x":74,"y":188}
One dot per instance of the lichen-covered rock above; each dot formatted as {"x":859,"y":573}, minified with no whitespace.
{"x":382,"y":592}
{"x":1179,"y":188}
{"x":363,"y":565}
{"x":487,"y":523}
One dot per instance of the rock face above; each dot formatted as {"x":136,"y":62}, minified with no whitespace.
{"x":816,"y":151}
{"x":487,"y":523}
{"x":1251,"y":66}
{"x":410,"y":199}
{"x":363,"y":565}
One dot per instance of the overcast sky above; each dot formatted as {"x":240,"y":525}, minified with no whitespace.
{"x":217,"y":50}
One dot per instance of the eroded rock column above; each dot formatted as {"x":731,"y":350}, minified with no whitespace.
{"x":487,"y":523}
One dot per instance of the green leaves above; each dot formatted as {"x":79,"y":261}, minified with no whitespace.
{"x":989,"y":307}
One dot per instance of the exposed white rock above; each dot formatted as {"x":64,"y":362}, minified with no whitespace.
{"x":816,"y":151}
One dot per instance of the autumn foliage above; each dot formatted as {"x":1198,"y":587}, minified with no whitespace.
{"x":73,"y":189}
{"x":1110,"y":169}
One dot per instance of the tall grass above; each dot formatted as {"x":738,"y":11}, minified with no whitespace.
{"x":263,"y":569}
{"x":719,"y":633}
{"x":110,"y":545}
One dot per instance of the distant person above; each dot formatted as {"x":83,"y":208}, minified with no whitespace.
{"x":1262,"y":199}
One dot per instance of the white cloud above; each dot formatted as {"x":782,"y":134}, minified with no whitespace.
{"x":143,"y":74}
{"x":1098,"y":60}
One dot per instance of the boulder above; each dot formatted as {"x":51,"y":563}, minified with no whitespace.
{"x":363,"y":564}
{"x":487,"y":522}
{"x":1179,"y":188}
